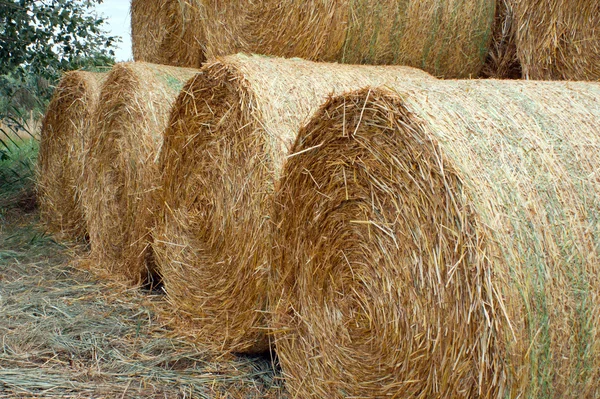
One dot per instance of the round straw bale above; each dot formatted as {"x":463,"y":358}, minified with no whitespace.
{"x":442,"y":240}
{"x":122,"y":174}
{"x":168,"y":32}
{"x":448,"y":38}
{"x":228,"y":137}
{"x":558,"y":39}
{"x":65,"y":130}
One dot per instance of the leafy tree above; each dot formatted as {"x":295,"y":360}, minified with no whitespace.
{"x":45,"y":37}
{"x":39,"y":39}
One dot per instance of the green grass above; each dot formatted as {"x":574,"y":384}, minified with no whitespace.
{"x":17,"y":174}
{"x":17,"y":163}
{"x":18,"y":151}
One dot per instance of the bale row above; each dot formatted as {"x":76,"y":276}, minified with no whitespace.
{"x":423,"y":238}
{"x":448,"y":38}
{"x":66,"y":129}
{"x":442,"y":240}
{"x":121,"y":174}
{"x":228,"y":138}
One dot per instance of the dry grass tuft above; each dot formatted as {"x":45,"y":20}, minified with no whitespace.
{"x":168,"y":32}
{"x":442,"y":240}
{"x":61,"y":163}
{"x":226,"y":142}
{"x":558,"y":39}
{"x":122,"y":173}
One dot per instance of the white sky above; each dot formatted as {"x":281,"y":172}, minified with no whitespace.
{"x":118,"y":23}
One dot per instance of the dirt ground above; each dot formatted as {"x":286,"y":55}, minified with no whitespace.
{"x":65,"y":333}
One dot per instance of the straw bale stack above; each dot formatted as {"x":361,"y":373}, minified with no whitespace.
{"x":558,"y":39}
{"x":226,"y":142}
{"x":61,"y":161}
{"x":122,"y":173}
{"x":168,"y":32}
{"x":442,"y":240}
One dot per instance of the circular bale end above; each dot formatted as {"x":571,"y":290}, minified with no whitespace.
{"x":216,"y":180}
{"x":375,"y":277}
{"x":65,"y":130}
{"x":123,"y":177}
{"x":441,"y":241}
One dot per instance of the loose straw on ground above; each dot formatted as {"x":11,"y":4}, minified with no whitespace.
{"x":168,"y":32}
{"x":122,"y":175}
{"x":442,"y":240}
{"x":228,"y":137}
{"x":61,"y":162}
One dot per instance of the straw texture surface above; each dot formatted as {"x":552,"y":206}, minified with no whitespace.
{"x":448,"y":38}
{"x":168,"y":32}
{"x":441,"y":240}
{"x":227,"y":140}
{"x":61,"y":161}
{"x":122,"y":175}
{"x":558,"y":39}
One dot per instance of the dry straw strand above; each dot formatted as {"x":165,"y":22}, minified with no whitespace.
{"x":558,"y":39}
{"x":68,"y":335}
{"x":441,"y":240}
{"x":122,"y":175}
{"x":228,"y":137}
{"x":61,"y":162}
{"x":168,"y":32}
